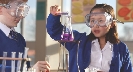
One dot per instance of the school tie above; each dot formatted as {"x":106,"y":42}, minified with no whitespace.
{"x":13,"y":35}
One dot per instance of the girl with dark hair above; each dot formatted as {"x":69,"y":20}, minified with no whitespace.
{"x":101,"y":49}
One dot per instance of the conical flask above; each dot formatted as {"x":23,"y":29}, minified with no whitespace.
{"x":67,"y":33}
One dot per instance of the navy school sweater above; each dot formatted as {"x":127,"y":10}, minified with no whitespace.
{"x":9,"y":45}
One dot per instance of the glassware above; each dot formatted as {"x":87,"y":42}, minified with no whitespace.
{"x":19,"y":62}
{"x":25,"y":56}
{"x":67,"y":33}
{"x":63,"y":13}
{"x":92,"y":70}
{"x":13,"y":62}
{"x":4,"y":62}
{"x":47,"y":58}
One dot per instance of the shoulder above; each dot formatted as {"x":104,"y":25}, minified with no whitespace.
{"x":79,"y":36}
{"x":123,"y":47}
{"x":21,"y":39}
{"x":78,"y":33}
{"x":122,"y":44}
{"x":20,"y":35}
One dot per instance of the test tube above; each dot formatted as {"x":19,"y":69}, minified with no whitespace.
{"x":19,"y":62}
{"x":63,"y":13}
{"x":32,"y":70}
{"x":67,"y":63}
{"x":4,"y":62}
{"x":47,"y":58}
{"x":25,"y":52}
{"x":13,"y":62}
{"x":87,"y":70}
{"x":25,"y":56}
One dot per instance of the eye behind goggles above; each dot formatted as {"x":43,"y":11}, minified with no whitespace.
{"x":20,"y":10}
{"x":100,"y":19}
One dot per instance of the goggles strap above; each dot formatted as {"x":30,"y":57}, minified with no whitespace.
{"x":118,"y":21}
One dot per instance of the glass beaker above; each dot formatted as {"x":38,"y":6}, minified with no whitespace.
{"x":67,"y":33}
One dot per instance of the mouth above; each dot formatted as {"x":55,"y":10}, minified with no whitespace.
{"x":96,"y":31}
{"x":16,"y":21}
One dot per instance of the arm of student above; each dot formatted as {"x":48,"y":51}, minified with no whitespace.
{"x":54,"y":29}
{"x":126,"y":64}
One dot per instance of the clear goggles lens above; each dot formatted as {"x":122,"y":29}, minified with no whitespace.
{"x":22,"y":10}
{"x":100,"y":19}
{"x":18,"y":9}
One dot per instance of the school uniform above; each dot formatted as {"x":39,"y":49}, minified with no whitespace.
{"x":8,"y":44}
{"x":118,"y":60}
{"x":101,"y":58}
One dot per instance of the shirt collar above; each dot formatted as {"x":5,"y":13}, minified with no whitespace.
{"x":94,"y":41}
{"x":5,"y":29}
{"x":108,"y":44}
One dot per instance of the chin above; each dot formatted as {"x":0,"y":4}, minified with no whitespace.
{"x":97,"y":36}
{"x":15,"y":24}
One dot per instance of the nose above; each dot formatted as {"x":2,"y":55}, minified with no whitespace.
{"x":20,"y":17}
{"x":96,"y":24}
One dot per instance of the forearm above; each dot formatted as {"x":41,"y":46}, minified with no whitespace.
{"x":54,"y":27}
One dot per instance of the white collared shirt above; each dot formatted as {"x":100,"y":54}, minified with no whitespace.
{"x":5,"y":29}
{"x":101,"y":59}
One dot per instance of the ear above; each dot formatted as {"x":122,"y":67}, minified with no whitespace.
{"x":113,"y":24}
{"x":1,"y":10}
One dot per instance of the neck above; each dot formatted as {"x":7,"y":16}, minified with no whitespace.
{"x":6,"y":25}
{"x":102,"y":42}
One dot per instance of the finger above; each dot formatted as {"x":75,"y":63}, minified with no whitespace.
{"x":56,"y":5}
{"x":58,"y":10}
{"x":59,"y":7}
{"x":44,"y":63}
{"x":51,"y":8}
{"x":44,"y":68}
{"x":46,"y":71}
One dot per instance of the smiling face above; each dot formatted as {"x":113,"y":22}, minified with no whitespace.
{"x":99,"y":31}
{"x":8,"y":17}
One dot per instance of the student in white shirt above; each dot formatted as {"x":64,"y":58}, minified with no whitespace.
{"x":11,"y":12}
{"x":101,"y":49}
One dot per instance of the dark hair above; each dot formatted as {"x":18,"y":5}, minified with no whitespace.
{"x":112,"y":35}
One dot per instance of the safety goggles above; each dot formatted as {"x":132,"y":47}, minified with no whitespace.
{"x":100,"y":19}
{"x":16,"y":8}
